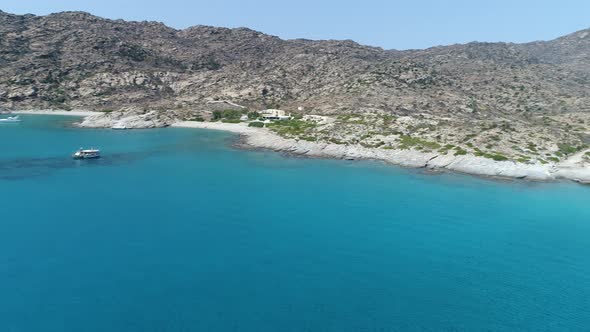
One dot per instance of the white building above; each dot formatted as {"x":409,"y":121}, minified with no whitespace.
{"x":272,"y":114}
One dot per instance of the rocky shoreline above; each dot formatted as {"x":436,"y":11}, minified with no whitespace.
{"x":130,"y":118}
{"x":573,"y":168}
{"x":570,"y":169}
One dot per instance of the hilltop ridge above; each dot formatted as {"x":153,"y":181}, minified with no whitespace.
{"x":75,"y":59}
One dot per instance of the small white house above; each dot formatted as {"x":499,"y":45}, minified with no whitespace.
{"x":272,"y":114}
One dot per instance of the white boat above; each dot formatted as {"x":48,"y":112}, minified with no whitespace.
{"x":86,"y":154}
{"x":10,"y":119}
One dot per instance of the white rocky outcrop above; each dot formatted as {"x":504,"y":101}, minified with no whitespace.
{"x":130,"y":118}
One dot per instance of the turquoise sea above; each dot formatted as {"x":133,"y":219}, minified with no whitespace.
{"x":175,"y":230}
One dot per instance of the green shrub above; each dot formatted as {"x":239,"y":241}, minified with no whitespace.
{"x":532,"y":147}
{"x":469,"y":137}
{"x":496,"y":156}
{"x":567,"y":149}
{"x":446,"y":148}
{"x":499,"y":157}
{"x":335,"y":141}
{"x":256,"y":124}
{"x":227,"y":114}
{"x":291,"y":127}
{"x":407,"y":141}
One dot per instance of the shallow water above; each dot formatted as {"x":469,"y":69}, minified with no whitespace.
{"x":174,"y":230}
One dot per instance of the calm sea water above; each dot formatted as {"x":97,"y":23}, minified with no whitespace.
{"x":174,"y":230}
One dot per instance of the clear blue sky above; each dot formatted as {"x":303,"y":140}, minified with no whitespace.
{"x":388,"y":24}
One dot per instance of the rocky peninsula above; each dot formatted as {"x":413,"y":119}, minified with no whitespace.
{"x":576,"y":168}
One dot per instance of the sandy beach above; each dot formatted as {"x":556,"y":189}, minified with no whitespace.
{"x":238,"y":128}
{"x":57,"y":112}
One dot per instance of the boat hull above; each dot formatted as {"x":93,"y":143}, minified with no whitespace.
{"x":85,"y":157}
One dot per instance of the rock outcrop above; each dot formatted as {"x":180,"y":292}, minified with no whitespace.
{"x":130,"y":118}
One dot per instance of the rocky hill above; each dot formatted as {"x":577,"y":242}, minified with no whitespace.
{"x":76,"y":60}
